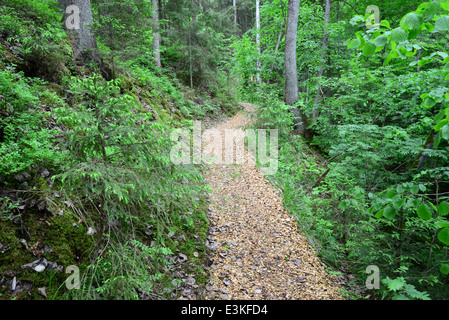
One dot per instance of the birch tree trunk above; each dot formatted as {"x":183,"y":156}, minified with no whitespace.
{"x":156,"y":35}
{"x":258,"y":40}
{"x":234,"y":4}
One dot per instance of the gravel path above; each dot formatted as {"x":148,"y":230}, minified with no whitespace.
{"x":258,"y":251}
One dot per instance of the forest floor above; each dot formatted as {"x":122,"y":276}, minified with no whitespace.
{"x":257,"y":250}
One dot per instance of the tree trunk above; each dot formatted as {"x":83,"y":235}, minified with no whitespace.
{"x":156,"y":36}
{"x":258,"y":40}
{"x":234,"y":4}
{"x":291,"y":69}
{"x":77,"y":18}
{"x":324,"y":42}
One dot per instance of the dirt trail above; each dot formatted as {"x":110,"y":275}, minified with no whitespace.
{"x":259,"y":253}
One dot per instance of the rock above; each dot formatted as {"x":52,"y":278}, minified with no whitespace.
{"x":51,"y":265}
{"x":31,"y":265}
{"x":13,"y":284}
{"x":190,"y":280}
{"x":182,"y":258}
{"x":224,"y":296}
{"x":41,"y":205}
{"x":42,"y":291}
{"x":39,"y":268}
{"x":195,"y":254}
{"x":45,"y":173}
{"x":187,"y":292}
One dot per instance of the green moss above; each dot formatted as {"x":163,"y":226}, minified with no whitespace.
{"x":71,"y":244}
{"x":160,"y":114}
{"x":126,"y":84}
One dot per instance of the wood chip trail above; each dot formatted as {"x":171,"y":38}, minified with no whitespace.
{"x":258,"y":252}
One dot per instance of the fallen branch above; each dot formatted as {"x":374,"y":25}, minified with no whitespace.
{"x":318,"y":182}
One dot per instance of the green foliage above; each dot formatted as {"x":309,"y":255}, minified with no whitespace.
{"x":381,"y":117}
{"x":120,"y":168}
{"x":36,"y":33}
{"x":7,"y":208}
{"x":25,"y":139}
{"x":399,"y":289}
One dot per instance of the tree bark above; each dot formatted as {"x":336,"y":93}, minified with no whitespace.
{"x":156,"y":36}
{"x":234,"y":4}
{"x":291,"y":69}
{"x":324,"y":42}
{"x":258,"y":40}
{"x":77,"y":23}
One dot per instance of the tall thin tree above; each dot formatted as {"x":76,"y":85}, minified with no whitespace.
{"x":156,"y":35}
{"x":324,"y":44}
{"x":258,"y":41}
{"x":291,"y":69}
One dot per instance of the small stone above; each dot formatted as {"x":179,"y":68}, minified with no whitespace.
{"x":13,"y":284}
{"x":90,"y":231}
{"x":39,"y":268}
{"x":31,"y":265}
{"x":42,"y":291}
{"x":182,"y":257}
{"x":45,"y":173}
{"x":41,"y":205}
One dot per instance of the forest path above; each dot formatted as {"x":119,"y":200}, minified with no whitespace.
{"x":258,"y":252}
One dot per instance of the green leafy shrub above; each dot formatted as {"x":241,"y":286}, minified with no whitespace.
{"x":25,"y":139}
